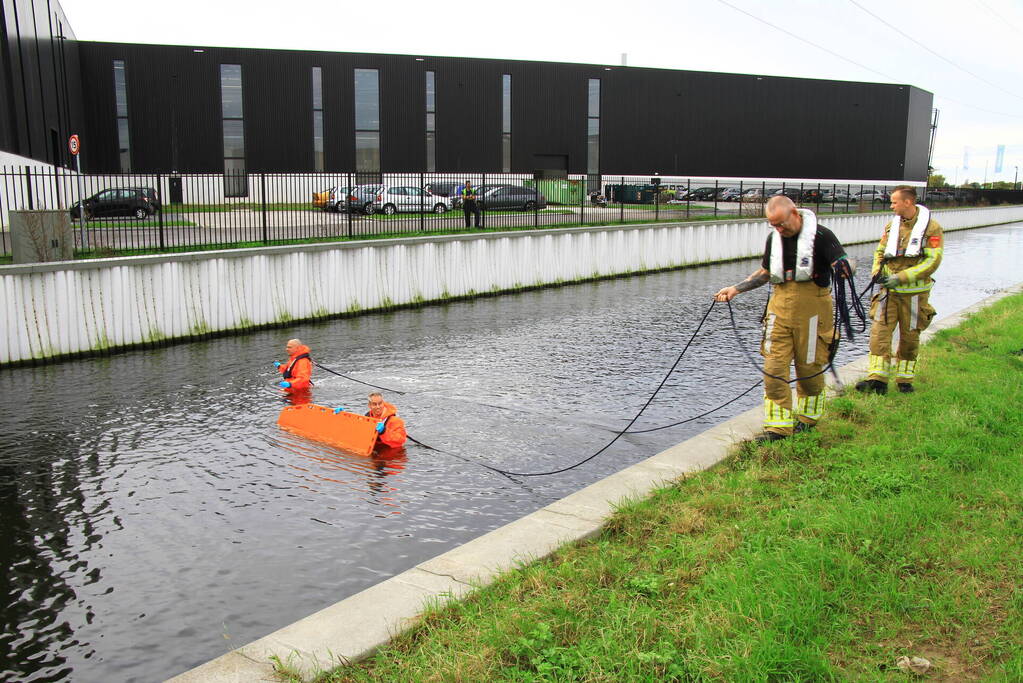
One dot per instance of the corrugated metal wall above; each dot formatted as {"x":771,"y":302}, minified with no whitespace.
{"x":652,"y":120}
{"x":39,"y":76}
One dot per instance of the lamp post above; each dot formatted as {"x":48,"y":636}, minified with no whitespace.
{"x":1015,"y":177}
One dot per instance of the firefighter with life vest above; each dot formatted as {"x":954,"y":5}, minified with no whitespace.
{"x":800,"y":258}
{"x":296,"y":372}
{"x":470,"y":204}
{"x":905,"y":259}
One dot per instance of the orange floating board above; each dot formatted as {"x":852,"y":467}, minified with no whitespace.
{"x":352,"y":432}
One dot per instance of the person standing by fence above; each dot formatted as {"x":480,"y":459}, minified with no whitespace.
{"x":470,"y":204}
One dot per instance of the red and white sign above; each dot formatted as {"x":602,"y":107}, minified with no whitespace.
{"x":74,"y":144}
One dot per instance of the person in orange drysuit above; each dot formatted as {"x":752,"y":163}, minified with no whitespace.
{"x":390,"y":428}
{"x":296,"y":372}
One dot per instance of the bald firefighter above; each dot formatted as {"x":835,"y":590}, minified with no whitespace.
{"x":799,"y":258}
{"x":907,"y":255}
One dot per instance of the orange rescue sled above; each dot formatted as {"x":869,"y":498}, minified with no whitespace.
{"x":350,"y":431}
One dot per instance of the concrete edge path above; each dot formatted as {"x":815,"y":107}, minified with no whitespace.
{"x":356,"y":626}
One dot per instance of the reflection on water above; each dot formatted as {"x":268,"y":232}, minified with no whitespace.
{"x":152,"y":515}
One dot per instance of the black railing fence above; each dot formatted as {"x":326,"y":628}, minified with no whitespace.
{"x":130,"y":213}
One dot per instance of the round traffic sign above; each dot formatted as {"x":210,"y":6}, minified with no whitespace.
{"x":74,"y":144}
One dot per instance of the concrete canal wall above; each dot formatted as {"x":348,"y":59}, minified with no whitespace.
{"x":55,"y":310}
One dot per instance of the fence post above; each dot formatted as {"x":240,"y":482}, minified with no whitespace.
{"x":28,"y":187}
{"x":689,"y":190}
{"x":583,"y":191}
{"x":262,"y":199}
{"x":621,"y":201}
{"x":715,"y":198}
{"x":349,"y":206}
{"x":159,"y":193}
{"x":422,"y":203}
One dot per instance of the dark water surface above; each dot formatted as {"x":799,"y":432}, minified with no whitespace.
{"x":152,"y":516}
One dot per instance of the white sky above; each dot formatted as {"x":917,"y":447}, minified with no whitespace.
{"x":967,"y":52}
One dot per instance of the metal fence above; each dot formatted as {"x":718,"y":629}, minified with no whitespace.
{"x":131,"y":213}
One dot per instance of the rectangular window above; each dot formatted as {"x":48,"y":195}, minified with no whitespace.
{"x":236,"y":182}
{"x":431,"y":121}
{"x":593,"y":127}
{"x":367,"y":120}
{"x":367,"y":151}
{"x":121,"y":100}
{"x":506,"y":122}
{"x":317,"y":118}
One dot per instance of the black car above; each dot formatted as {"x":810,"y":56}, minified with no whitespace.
{"x":704,"y":193}
{"x":138,"y":202}
{"x":511,"y":197}
{"x":447,"y":189}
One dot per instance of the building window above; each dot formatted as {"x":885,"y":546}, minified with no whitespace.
{"x":506,"y":123}
{"x":236,"y":182}
{"x":367,"y":121}
{"x":121,"y":99}
{"x":317,"y":118}
{"x":431,"y":121}
{"x":593,"y":127}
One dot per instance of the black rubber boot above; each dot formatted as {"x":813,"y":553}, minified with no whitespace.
{"x":804,"y":427}
{"x":767,"y":437}
{"x":872,"y":386}
{"x":906,"y":388}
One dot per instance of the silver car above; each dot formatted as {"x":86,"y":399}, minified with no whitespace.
{"x":392,"y":199}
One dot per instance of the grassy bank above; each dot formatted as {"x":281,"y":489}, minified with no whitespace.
{"x":895,"y":529}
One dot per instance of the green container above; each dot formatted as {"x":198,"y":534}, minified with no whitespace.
{"x":559,"y":191}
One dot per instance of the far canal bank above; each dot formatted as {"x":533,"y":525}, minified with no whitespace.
{"x":53,"y":311}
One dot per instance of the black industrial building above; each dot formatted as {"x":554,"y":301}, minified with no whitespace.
{"x":176,"y":109}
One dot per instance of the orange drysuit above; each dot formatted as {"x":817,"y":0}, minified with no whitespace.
{"x":298,"y":369}
{"x":394,"y":427}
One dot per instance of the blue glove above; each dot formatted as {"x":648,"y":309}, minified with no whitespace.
{"x":892,"y":282}
{"x":285,"y":385}
{"x":339,"y":409}
{"x":277,"y":364}
{"x":380,"y":427}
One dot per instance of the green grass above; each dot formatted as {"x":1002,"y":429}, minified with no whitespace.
{"x":895,"y":528}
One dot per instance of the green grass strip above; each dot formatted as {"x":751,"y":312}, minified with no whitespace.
{"x":895,"y":529}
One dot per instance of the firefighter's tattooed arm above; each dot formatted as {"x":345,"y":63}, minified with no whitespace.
{"x":756,"y":279}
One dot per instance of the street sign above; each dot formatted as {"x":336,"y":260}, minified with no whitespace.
{"x":74,"y":144}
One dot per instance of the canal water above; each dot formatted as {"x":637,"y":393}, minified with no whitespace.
{"x":152,"y":516}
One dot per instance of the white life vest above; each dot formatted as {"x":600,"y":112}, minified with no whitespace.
{"x":916,"y":238}
{"x":804,"y":251}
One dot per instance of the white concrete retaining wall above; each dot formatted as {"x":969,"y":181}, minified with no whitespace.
{"x":57,"y":309}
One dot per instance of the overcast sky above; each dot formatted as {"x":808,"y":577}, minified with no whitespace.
{"x":968,"y":53}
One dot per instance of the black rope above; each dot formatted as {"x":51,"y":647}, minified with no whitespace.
{"x":697,"y":417}
{"x":832,"y":350}
{"x":617,"y":436}
{"x":339,"y":374}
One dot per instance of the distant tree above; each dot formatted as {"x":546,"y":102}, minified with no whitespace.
{"x":936,"y":180}
{"x":1001,"y":185}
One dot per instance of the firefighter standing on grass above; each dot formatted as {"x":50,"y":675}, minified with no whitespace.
{"x":799,"y":259}
{"x":907,"y":255}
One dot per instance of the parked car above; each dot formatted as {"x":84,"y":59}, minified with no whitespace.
{"x":836,"y":195}
{"x":872,"y":196}
{"x":703,"y":193}
{"x":939,"y":196}
{"x":790,"y":192}
{"x":392,"y":199}
{"x":811,"y":195}
{"x":332,"y":199}
{"x":137,"y":202}
{"x":511,"y":197}
{"x":453,"y":191}
{"x":758,"y":194}
{"x":729,"y":194}
{"x":361,"y":197}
